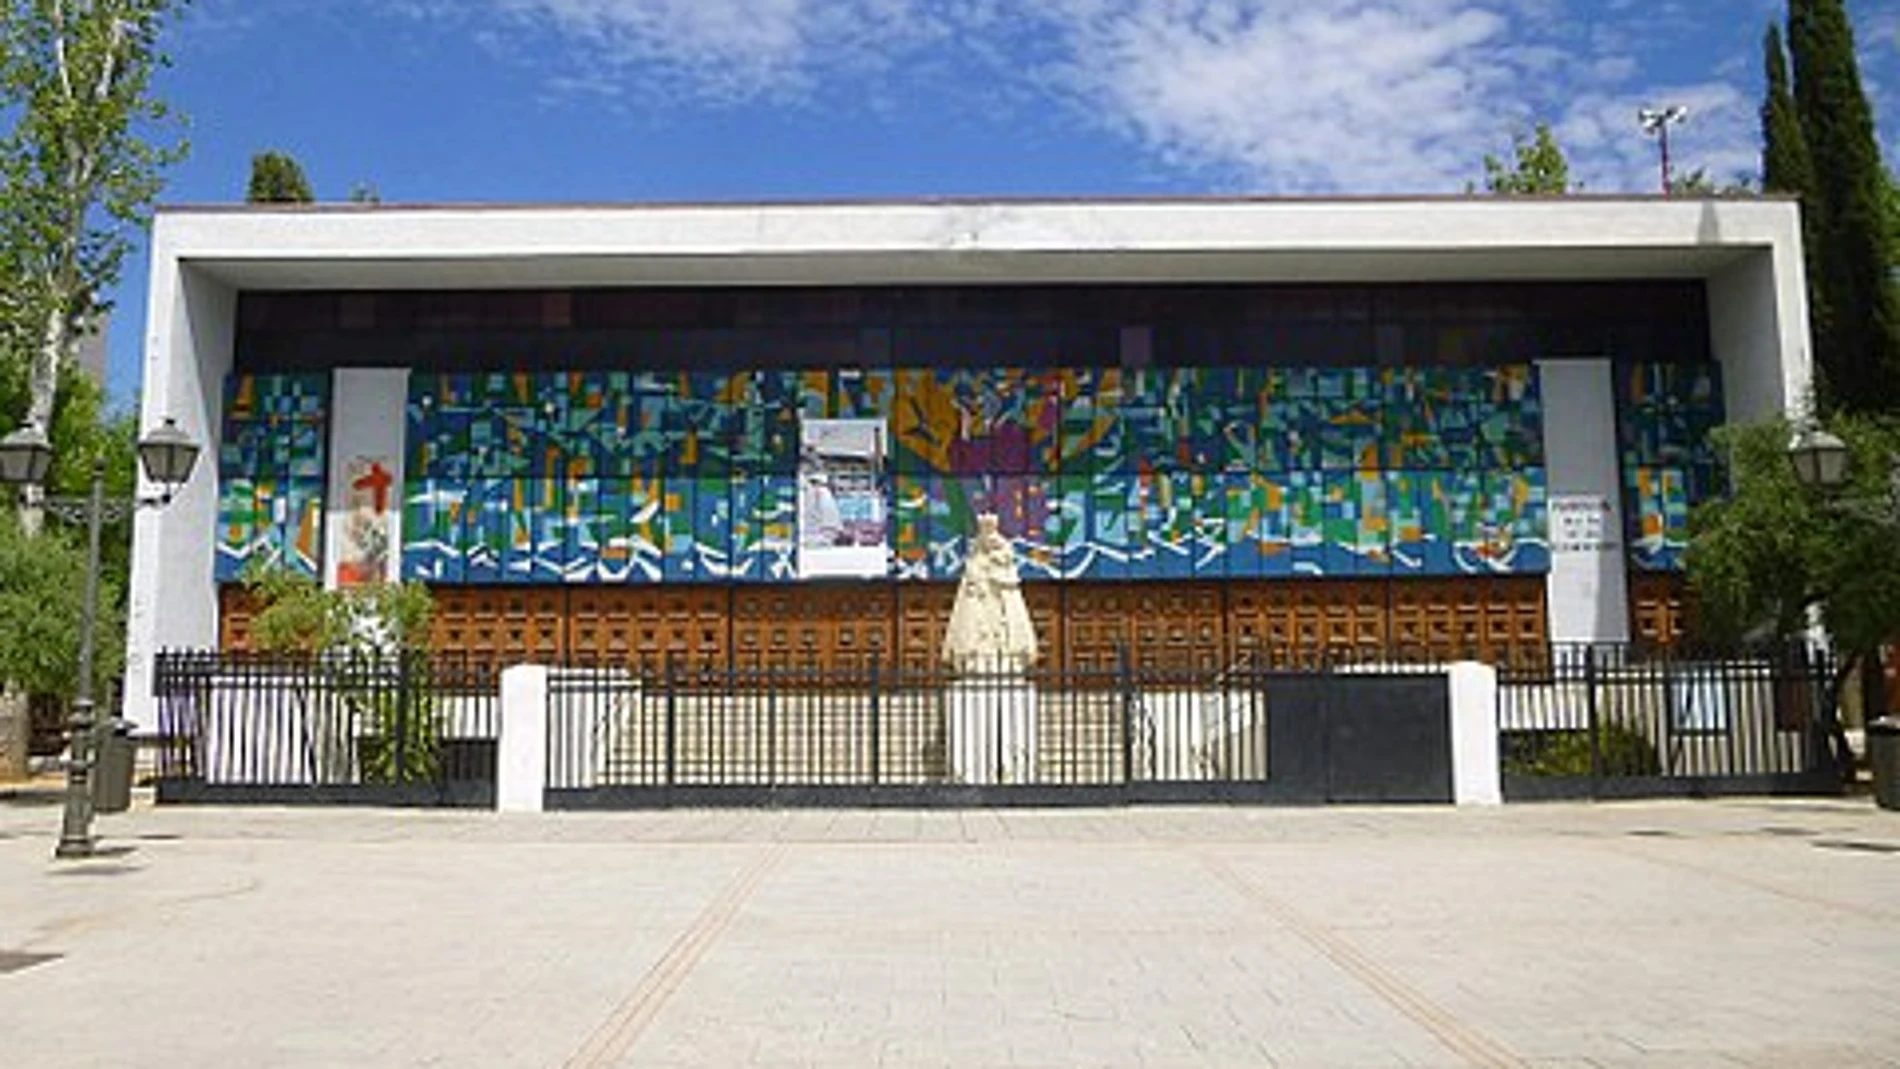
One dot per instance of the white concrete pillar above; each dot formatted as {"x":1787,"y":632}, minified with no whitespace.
{"x":521,"y":764}
{"x":362,"y":528}
{"x":1587,"y":586}
{"x":1475,"y":776}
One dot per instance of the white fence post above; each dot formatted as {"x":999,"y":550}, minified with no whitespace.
{"x":521,"y":766}
{"x":1474,"y":735}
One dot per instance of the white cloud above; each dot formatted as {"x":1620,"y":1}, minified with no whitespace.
{"x":1273,"y":95}
{"x":1328,"y":94}
{"x":725,"y":50}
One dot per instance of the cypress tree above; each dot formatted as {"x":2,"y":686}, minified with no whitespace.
{"x":1859,"y":353}
{"x":1786,"y":166}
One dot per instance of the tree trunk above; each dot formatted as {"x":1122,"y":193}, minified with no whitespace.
{"x":16,"y":734}
{"x":44,"y":393}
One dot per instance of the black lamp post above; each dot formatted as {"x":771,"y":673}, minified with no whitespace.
{"x":167,"y":455}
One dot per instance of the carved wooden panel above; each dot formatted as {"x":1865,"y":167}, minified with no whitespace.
{"x":1281,"y":617}
{"x":923,"y":615}
{"x":236,"y":610}
{"x":819,"y":626}
{"x":644,"y":623}
{"x":515,"y":623}
{"x":1099,"y":622}
{"x":1657,"y":613}
{"x":1483,"y":617}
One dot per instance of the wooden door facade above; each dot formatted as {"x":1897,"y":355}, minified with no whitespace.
{"x":1079,"y":625}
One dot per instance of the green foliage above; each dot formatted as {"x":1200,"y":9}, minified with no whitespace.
{"x":364,"y":193}
{"x":406,"y":740}
{"x":277,"y":178}
{"x":1621,"y":751}
{"x":375,"y":640}
{"x":1761,"y":558}
{"x":1786,"y":166}
{"x":297,"y":615}
{"x":1697,"y":183}
{"x":78,"y":174}
{"x":42,"y":590}
{"x":1857,"y":341}
{"x":1538,"y":166}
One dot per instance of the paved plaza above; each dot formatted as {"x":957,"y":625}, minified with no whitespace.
{"x":1759,"y":932}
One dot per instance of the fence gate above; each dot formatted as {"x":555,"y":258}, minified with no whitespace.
{"x":642,"y":736}
{"x":1347,"y":737}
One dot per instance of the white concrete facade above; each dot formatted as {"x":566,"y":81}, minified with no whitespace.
{"x":1748,"y":251}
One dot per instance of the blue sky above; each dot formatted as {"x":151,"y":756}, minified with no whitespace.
{"x":609,"y":100}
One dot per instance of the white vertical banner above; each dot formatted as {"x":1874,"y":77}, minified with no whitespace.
{"x":362,"y":540}
{"x":844,"y":523}
{"x":1589,"y":599}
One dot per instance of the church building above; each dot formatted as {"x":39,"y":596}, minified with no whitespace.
{"x":764,"y":432}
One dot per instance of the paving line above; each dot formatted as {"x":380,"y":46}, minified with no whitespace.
{"x":609,"y":1042}
{"x":1469,"y":1044}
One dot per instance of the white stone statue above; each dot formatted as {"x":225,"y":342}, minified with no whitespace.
{"x":990,"y":631}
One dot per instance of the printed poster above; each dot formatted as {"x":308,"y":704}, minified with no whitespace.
{"x":364,"y":556}
{"x":843,"y":511}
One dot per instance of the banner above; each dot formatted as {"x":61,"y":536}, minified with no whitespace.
{"x":843,"y":511}
{"x":363,"y":551}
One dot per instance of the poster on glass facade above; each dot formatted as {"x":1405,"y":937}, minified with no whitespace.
{"x":843,"y":519}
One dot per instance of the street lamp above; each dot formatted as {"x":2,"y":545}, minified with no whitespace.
{"x":1656,"y":123}
{"x":167,"y":455}
{"x":1819,"y":458}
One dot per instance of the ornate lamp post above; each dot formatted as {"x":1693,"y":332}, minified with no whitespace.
{"x":1819,"y":458}
{"x":167,"y":455}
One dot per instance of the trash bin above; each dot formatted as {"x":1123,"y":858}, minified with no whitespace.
{"x":112,"y":769}
{"x":1883,"y":754}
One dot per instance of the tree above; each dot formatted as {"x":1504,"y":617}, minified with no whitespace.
{"x":1538,"y":166}
{"x":78,"y":174}
{"x":1773,"y":551}
{"x":1697,"y":183}
{"x":277,"y":178}
{"x":1787,"y":167}
{"x":42,"y":580}
{"x":1857,"y":344}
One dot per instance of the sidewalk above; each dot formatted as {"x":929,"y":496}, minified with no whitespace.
{"x":1761,"y":933}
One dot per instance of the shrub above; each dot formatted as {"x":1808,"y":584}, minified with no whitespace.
{"x":1621,"y":751}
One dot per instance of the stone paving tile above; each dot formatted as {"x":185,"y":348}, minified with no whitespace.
{"x":1751,"y":932}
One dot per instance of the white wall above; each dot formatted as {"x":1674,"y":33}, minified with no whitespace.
{"x":189,"y":343}
{"x":366,"y":420}
{"x":1587,"y":587}
{"x":1758,"y":327}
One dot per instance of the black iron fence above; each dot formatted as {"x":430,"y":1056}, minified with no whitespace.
{"x":676,"y":725}
{"x":414,"y":729}
{"x":1355,"y":724}
{"x":1623,"y":721}
{"x":1271,"y":726}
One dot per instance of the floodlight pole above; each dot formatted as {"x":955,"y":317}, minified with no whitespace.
{"x":1657,"y":121}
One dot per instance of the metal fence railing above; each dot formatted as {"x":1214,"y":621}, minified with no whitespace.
{"x":669,"y":723}
{"x":1613,"y":719}
{"x":417,"y":727}
{"x":424,"y":728}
